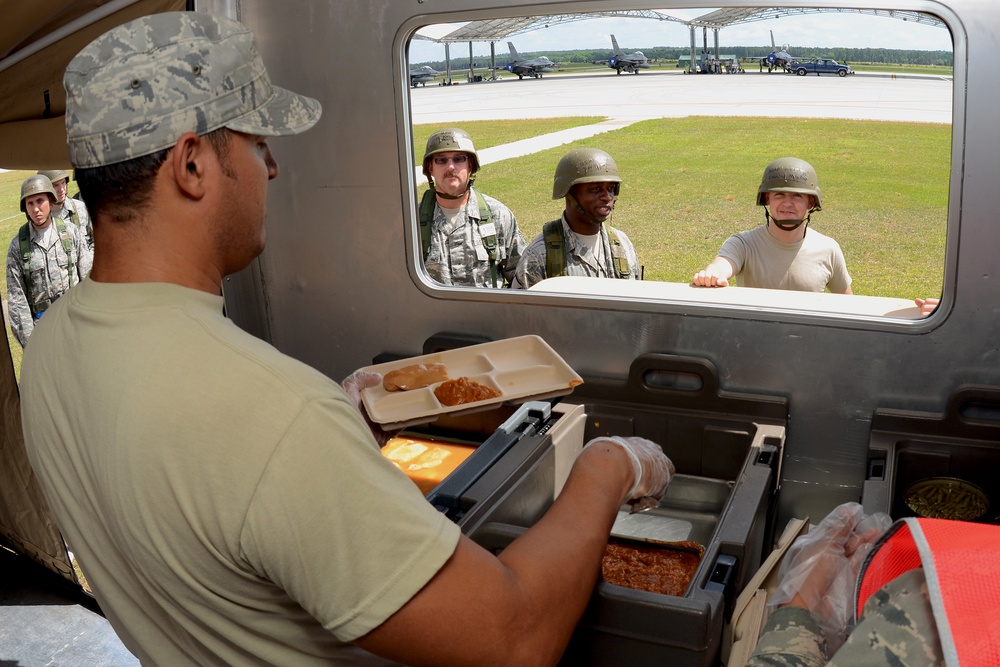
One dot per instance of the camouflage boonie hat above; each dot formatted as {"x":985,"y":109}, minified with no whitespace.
{"x":135,"y":89}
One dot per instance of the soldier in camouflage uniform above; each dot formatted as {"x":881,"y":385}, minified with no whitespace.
{"x":45,"y":258}
{"x":67,"y":208}
{"x":581,"y":243}
{"x":814,"y":600}
{"x":896,"y":628}
{"x":468,"y":238}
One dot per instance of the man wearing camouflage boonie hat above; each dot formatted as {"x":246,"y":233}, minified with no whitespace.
{"x":45,"y":258}
{"x":203,"y":478}
{"x":228,"y":504}
{"x":782,"y":253}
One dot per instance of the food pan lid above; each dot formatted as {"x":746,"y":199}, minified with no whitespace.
{"x":521,"y":369}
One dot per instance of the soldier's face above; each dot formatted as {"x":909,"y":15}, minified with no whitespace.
{"x":450,"y":172}
{"x":38,"y":208}
{"x":597,"y":199}
{"x":249,"y":166}
{"x":789,"y":205}
{"x":60,"y":186}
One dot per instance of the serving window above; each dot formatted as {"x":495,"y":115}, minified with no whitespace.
{"x":691,"y":134}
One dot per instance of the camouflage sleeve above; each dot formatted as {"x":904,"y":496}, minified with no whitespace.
{"x":897,"y":628}
{"x":531,"y":267}
{"x":86,"y":225}
{"x":790,"y":638}
{"x":21,"y":323}
{"x":510,"y":239}
{"x":84,"y":253}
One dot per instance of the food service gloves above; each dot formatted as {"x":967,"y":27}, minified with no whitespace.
{"x":820,"y":570}
{"x":653,"y":470}
{"x":354,"y":384}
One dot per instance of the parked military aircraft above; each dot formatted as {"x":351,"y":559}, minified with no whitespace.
{"x":778,"y":59}
{"x":534,"y":68}
{"x":422,"y":75}
{"x":630,"y":62}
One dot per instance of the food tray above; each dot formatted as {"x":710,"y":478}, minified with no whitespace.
{"x":521,"y":369}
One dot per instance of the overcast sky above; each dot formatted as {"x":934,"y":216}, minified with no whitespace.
{"x":831,"y":30}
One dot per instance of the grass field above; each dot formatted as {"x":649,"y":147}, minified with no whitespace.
{"x":689,"y":183}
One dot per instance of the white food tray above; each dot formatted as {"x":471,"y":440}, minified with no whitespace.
{"x":521,"y":369}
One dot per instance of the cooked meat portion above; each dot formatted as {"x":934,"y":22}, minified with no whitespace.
{"x":665,"y":569}
{"x":415,"y":376}
{"x":463,"y":390}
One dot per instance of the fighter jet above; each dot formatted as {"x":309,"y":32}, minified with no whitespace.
{"x":630,"y":62}
{"x":534,"y":68}
{"x":778,"y":59}
{"x":422,"y":75}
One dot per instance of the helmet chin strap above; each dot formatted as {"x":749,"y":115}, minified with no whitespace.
{"x":445,"y":195}
{"x":590,"y":217}
{"x":786,"y":225}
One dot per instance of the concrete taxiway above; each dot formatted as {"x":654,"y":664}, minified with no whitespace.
{"x":628,"y":98}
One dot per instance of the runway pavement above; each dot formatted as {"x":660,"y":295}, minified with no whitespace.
{"x":628,"y":98}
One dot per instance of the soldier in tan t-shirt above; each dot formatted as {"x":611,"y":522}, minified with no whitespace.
{"x":781,"y":255}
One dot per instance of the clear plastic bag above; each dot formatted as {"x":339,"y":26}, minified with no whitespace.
{"x":820,"y":570}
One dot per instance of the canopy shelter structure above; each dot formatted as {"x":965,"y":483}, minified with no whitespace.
{"x":722,"y":18}
{"x":35,"y":47}
{"x":494,"y":30}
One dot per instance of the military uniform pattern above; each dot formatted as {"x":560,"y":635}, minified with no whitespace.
{"x":580,"y":261}
{"x":49,"y":278}
{"x":896,"y":628}
{"x":81,"y":218}
{"x":457,"y":255}
{"x":168,"y":74}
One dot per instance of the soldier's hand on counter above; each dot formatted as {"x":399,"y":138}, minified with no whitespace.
{"x":653,"y":470}
{"x":354,"y":384}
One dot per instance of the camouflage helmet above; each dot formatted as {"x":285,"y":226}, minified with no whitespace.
{"x":790,"y":174}
{"x":583,"y":165}
{"x":55,"y":174}
{"x":33,"y":185}
{"x":450,"y":140}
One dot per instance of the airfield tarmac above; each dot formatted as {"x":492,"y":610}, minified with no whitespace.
{"x":628,"y":98}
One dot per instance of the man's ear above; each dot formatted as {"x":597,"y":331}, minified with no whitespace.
{"x":188,"y":162}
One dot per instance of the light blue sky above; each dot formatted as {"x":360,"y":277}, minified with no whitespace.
{"x":832,"y":30}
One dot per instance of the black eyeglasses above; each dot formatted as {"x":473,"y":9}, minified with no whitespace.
{"x":441,"y":160}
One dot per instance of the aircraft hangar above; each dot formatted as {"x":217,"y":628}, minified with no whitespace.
{"x":494,"y":30}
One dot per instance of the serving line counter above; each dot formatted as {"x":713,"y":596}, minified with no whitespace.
{"x":727,"y":448}
{"x":657,"y":291}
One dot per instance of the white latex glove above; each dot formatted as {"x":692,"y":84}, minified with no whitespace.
{"x":820,"y":570}
{"x":653,"y":470}
{"x":354,"y":384}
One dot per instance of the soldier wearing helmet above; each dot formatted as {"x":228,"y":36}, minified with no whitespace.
{"x":580,"y":243}
{"x":467,"y":238}
{"x":67,"y":208}
{"x":780,"y":254}
{"x":45,"y":258}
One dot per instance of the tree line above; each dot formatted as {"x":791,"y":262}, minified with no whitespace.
{"x":843,"y":55}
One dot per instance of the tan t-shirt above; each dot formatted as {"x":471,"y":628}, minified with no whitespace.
{"x":226,"y":502}
{"x":814,"y":264}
